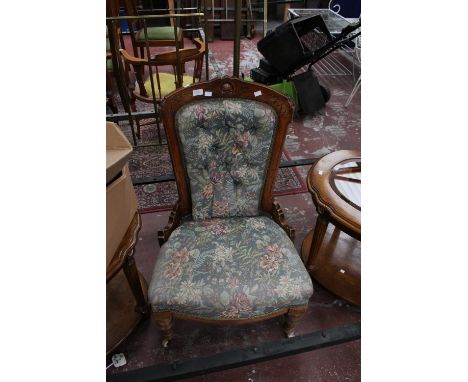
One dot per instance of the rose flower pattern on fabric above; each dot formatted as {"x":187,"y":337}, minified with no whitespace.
{"x":225,"y":261}
{"x":229,"y":268}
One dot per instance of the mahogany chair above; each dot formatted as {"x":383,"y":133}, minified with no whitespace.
{"x":227,"y":255}
{"x":163,"y":83}
{"x":157,"y":36}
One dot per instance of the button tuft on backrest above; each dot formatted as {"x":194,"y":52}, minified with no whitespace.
{"x":231,"y":150}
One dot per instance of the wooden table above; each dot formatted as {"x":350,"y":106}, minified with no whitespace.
{"x":126,"y":290}
{"x":335,"y":185}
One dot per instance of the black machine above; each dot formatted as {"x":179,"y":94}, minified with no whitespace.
{"x":294,"y":44}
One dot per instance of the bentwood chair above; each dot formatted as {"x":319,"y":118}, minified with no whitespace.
{"x":157,"y":36}
{"x":163,"y":83}
{"x":227,"y":255}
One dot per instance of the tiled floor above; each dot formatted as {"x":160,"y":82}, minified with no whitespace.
{"x":332,"y":128}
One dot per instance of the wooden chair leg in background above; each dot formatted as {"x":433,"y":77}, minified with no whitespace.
{"x":110,"y":93}
{"x":133,"y":278}
{"x":133,"y":107}
{"x":112,"y":104}
{"x":286,"y":12}
{"x":158,"y":120}
{"x":164,"y":321}
{"x":170,"y":5}
{"x":292,"y":317}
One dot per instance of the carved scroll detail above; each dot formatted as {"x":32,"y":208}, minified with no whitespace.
{"x":280,"y":219}
{"x":172,"y":224}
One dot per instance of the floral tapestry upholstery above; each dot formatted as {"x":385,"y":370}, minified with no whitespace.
{"x":230,"y":268}
{"x":226,"y":146}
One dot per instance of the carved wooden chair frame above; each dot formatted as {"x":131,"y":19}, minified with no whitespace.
{"x":137,"y":25}
{"x":164,"y":59}
{"x":226,"y":88}
{"x":170,"y":58}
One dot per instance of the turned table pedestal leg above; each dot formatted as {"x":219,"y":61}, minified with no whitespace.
{"x":319,"y":233}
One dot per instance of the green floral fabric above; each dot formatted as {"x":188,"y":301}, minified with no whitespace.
{"x":232,"y":268}
{"x":226,"y":145}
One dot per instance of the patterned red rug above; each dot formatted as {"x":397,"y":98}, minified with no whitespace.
{"x":333,"y":128}
{"x":150,"y":159}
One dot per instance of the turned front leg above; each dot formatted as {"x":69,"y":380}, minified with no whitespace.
{"x":292,"y":317}
{"x":164,"y":321}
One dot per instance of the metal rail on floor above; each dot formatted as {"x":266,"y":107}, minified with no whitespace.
{"x":242,"y":357}
{"x":168,"y":178}
{"x":124,"y":116}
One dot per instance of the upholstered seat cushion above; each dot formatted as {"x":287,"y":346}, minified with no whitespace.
{"x":230,"y":268}
{"x":167,"y":82}
{"x":158,"y":33}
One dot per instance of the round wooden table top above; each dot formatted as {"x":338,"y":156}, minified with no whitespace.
{"x":335,"y":185}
